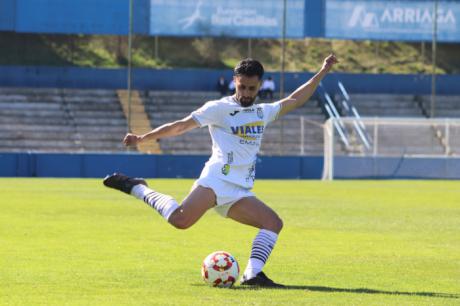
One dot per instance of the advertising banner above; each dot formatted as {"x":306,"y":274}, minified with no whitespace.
{"x":392,"y":20}
{"x":237,"y":18}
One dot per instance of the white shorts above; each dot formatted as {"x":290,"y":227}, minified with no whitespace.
{"x":227,"y":194}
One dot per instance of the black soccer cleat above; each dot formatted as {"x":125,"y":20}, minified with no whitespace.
{"x":261,"y":280}
{"x":122,"y":182}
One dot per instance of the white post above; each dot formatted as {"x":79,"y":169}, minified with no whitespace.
{"x":376,"y":135}
{"x":447,"y":136}
{"x":331,"y":151}
{"x":328,"y":161}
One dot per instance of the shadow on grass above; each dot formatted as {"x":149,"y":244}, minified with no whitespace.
{"x":372,"y":291}
{"x":351,"y":290}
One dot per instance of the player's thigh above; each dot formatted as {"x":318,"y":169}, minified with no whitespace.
{"x":252,"y":211}
{"x":195,"y":205}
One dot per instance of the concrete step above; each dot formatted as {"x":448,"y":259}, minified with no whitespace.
{"x":35,"y":121}
{"x":19,"y":113}
{"x":30,"y":99}
{"x":96,"y":107}
{"x":59,"y":135}
{"x":115,"y":130}
{"x":100,"y":121}
{"x":133,"y":108}
{"x":90,"y":100}
{"x":98,"y":114}
{"x":30,"y":105}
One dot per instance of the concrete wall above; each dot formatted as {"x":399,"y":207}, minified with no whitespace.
{"x":396,"y":168}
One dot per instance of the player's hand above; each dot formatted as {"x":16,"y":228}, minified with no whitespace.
{"x":329,"y":62}
{"x":131,"y":139}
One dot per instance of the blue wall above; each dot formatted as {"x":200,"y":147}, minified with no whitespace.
{"x":7,"y":15}
{"x":81,"y":16}
{"x":314,"y":19}
{"x":164,"y":166}
{"x":205,"y":80}
{"x":182,"y":166}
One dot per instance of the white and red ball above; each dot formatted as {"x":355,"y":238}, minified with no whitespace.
{"x":220,"y":269}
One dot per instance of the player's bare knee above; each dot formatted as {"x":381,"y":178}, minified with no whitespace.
{"x":278,"y":224}
{"x":180,"y":221}
{"x":275,"y":224}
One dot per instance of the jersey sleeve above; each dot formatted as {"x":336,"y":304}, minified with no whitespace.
{"x":271,"y":111}
{"x":208,"y":114}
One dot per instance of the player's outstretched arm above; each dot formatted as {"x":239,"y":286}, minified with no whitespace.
{"x":301,"y":95}
{"x":166,"y":130}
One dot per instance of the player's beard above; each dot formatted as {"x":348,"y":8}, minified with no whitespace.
{"x":245,"y":101}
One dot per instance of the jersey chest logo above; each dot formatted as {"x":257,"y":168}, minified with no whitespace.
{"x":249,"y":131}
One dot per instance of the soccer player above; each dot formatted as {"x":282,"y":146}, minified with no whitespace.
{"x":236,"y":126}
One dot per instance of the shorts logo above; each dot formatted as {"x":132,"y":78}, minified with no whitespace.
{"x":225,"y":169}
{"x":251,"y":173}
{"x":230,"y":157}
{"x":260,"y":113}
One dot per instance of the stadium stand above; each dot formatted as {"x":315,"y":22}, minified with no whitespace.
{"x":282,"y":137}
{"x":60,"y":120}
{"x":285,"y":136}
{"x":167,"y":106}
{"x":446,"y":106}
{"x":77,"y":120}
{"x":140,"y":123}
{"x":428,"y":139}
{"x":386,"y":105}
{"x":390,"y":105}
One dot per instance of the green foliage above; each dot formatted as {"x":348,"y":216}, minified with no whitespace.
{"x":223,"y":52}
{"x":75,"y":242}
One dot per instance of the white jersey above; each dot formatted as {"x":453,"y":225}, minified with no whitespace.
{"x":236,"y":134}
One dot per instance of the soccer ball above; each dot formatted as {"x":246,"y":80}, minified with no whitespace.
{"x":220,"y":269}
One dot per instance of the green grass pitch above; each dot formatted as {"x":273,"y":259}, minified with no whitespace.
{"x":75,"y":242}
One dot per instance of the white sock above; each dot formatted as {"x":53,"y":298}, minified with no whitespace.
{"x":164,"y":204}
{"x":261,"y":248}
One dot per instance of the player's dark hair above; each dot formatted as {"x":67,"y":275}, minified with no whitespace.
{"x":249,"y":67}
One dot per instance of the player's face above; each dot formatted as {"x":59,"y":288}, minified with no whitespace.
{"x":246,"y":89}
